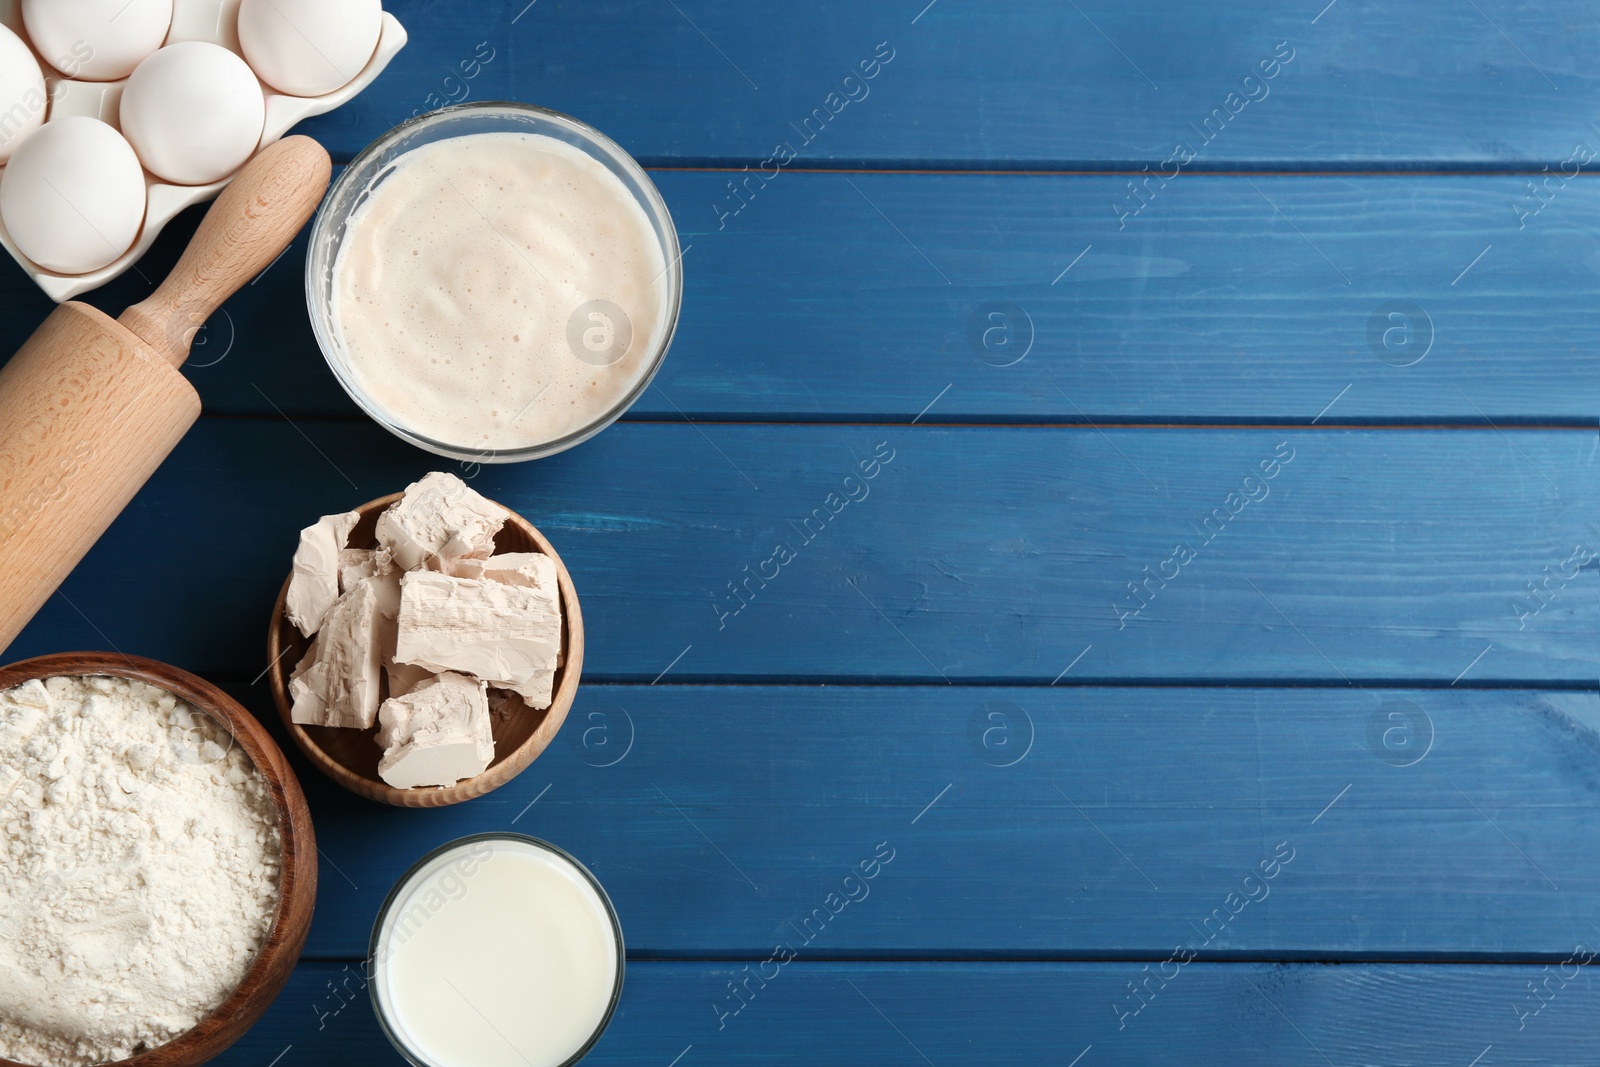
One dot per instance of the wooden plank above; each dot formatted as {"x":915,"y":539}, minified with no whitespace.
{"x":981,"y":1014}
{"x":974,"y":554}
{"x":1029,"y":84}
{"x":1039,"y":823}
{"x":1223,"y":300}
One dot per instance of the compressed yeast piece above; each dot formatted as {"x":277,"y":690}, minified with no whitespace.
{"x":505,"y":635}
{"x":537,"y":690}
{"x":314,"y":577}
{"x":354,"y":565}
{"x":307,"y":684}
{"x":537,"y":571}
{"x":336,"y":682}
{"x":439,"y":520}
{"x":437,"y":734}
{"x":531,"y":570}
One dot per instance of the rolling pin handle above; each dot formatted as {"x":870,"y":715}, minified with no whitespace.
{"x":248,"y":227}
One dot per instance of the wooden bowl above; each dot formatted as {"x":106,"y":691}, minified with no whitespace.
{"x":350,"y":757}
{"x":297,"y":877}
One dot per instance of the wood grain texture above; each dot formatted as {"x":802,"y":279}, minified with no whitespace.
{"x":1090,"y":790}
{"x":90,"y":407}
{"x":87,"y":413}
{"x":1041,"y":823}
{"x":1030,"y":83}
{"x":297,"y":886}
{"x":1022,"y":1013}
{"x":1214,"y":304}
{"x":521,"y":733}
{"x":248,"y":227}
{"x":975,"y":554}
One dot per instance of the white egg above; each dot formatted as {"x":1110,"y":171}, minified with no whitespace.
{"x":309,"y":47}
{"x":193,"y":111}
{"x":96,"y":40}
{"x":22,"y":94}
{"x":73,"y":195}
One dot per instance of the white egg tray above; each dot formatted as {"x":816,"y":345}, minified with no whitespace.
{"x":215,"y":21}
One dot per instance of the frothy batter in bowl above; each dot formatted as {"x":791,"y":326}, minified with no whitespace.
{"x":499,"y":291}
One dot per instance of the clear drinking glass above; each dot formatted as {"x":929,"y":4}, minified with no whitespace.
{"x":418,"y":875}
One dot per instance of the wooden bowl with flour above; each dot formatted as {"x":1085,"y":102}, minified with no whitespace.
{"x":297,"y":872}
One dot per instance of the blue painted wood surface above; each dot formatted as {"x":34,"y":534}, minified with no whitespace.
{"x":1214,"y":304}
{"x":1384,"y":662}
{"x":1027,"y":84}
{"x":1129,"y":816}
{"x":987,"y":1013}
{"x":975,"y":553}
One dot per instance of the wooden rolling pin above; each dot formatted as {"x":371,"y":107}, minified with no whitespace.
{"x":90,"y":406}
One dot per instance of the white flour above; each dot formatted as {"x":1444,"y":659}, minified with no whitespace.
{"x":139,"y":858}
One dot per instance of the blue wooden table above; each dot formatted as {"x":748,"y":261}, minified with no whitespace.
{"x":1209,"y":660}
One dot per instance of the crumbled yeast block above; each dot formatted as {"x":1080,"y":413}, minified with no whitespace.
{"x":537,"y":690}
{"x":314,"y":579}
{"x":439,"y":520}
{"x":306,"y":688}
{"x":354,"y":565}
{"x":437,"y":734}
{"x":336,"y":683}
{"x":430,"y":618}
{"x":533,"y":570}
{"x":505,"y":635}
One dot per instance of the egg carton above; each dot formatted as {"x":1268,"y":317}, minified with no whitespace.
{"x":215,"y":21}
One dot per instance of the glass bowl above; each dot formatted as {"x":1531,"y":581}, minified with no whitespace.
{"x":369,"y":169}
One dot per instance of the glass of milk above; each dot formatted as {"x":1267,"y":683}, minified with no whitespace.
{"x":496,"y":950}
{"x":494,"y":282}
